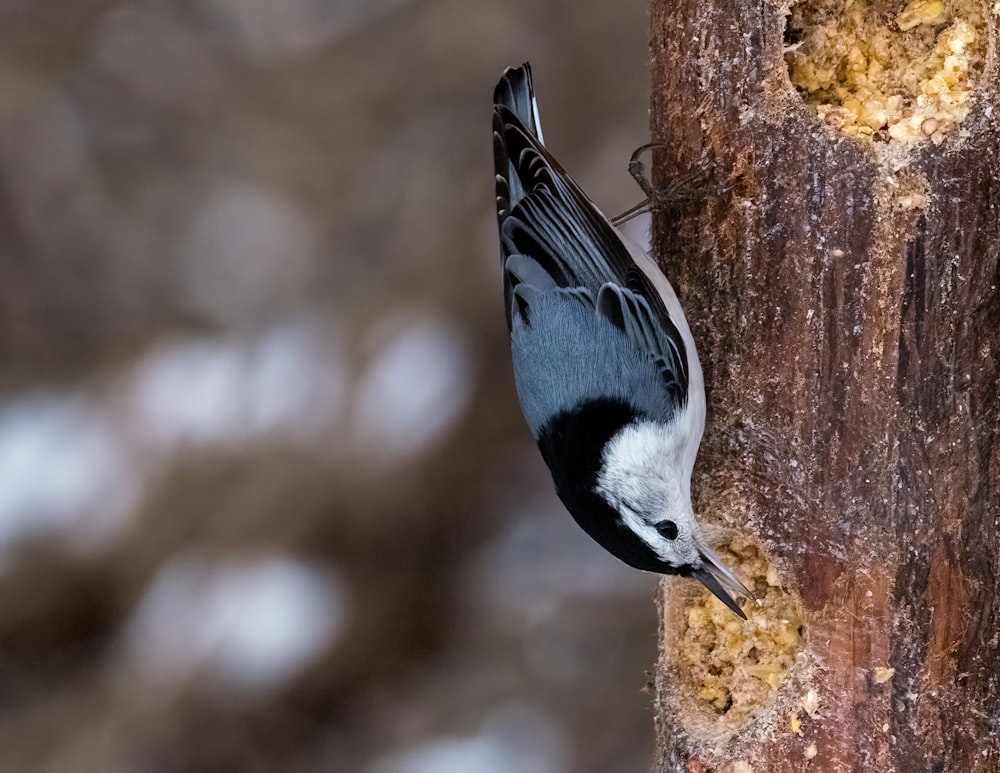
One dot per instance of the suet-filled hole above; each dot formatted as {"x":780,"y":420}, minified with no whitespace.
{"x":729,"y":669}
{"x":887,"y":70}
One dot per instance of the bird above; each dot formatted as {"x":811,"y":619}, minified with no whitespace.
{"x":605,"y":367}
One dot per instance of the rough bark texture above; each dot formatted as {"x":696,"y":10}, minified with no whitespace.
{"x":848,"y":319}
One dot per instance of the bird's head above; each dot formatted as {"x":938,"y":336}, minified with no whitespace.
{"x":646,"y":485}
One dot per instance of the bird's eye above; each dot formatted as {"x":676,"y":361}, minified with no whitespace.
{"x":667,"y":529}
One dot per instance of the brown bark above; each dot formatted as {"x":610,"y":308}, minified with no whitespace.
{"x":844,"y":297}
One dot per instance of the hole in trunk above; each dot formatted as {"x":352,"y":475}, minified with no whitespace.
{"x":733,"y":666}
{"x":887,"y":70}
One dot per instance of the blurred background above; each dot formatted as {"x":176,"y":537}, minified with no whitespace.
{"x":266,"y":499}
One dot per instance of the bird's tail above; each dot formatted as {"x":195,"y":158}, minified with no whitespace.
{"x":513,"y":96}
{"x":516,"y":92}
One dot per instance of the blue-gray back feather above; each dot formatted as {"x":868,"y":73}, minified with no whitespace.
{"x":569,"y":355}
{"x":630,"y":313}
{"x":585,"y":321}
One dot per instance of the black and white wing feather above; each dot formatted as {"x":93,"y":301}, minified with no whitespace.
{"x":555,"y":239}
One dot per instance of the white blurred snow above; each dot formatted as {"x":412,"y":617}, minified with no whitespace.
{"x":74,"y":463}
{"x":63,"y":472}
{"x":287,"y":383}
{"x":416,"y":386}
{"x":245,"y":624}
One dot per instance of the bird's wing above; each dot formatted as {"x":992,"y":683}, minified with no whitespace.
{"x":544,"y":214}
{"x":552,"y":236}
{"x":630,"y":312}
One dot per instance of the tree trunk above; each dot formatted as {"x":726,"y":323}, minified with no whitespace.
{"x":842,"y":288}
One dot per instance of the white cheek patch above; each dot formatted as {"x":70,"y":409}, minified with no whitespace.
{"x":643,"y":450}
{"x":639,"y":470}
{"x":641,"y":479}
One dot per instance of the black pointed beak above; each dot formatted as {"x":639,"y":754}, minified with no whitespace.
{"x":718,"y":579}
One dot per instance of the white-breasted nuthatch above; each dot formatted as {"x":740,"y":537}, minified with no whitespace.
{"x":604,"y":363}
